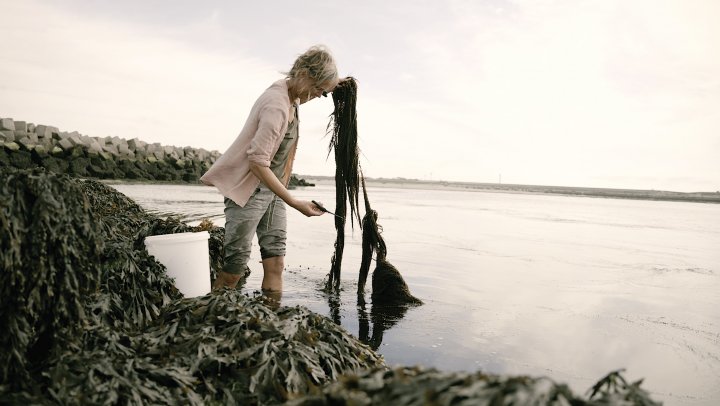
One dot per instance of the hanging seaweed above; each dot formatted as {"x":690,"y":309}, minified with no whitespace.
{"x":343,"y":142}
{"x":388,"y":285}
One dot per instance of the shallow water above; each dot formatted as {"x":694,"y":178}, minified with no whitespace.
{"x":567,"y":287}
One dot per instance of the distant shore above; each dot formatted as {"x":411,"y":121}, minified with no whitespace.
{"x":697,"y":197}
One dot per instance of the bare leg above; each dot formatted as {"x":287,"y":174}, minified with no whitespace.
{"x":273,"y":269}
{"x":225,"y":280}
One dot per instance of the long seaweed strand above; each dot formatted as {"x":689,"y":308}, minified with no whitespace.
{"x":347,"y":178}
{"x":371,"y":239}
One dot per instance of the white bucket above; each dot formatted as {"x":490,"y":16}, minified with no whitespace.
{"x":187,"y":259}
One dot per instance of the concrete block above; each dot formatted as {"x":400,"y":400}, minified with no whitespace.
{"x":117,"y":141}
{"x":7,"y":124}
{"x":159,"y":154}
{"x":41,"y":150}
{"x":30,"y":127}
{"x":152,"y":159}
{"x":105,"y":140}
{"x":31,"y":136}
{"x":43,"y":131}
{"x":48,"y":142}
{"x":62,"y":135}
{"x":168,"y":149}
{"x":123,"y":149}
{"x":27,"y":143}
{"x":135,"y":144}
{"x":106,"y":156}
{"x":180,"y":163}
{"x":94,"y":148}
{"x":56,"y":150}
{"x":12,"y":146}
{"x":7,"y":136}
{"x":76,"y":139}
{"x":65,"y":144}
{"x":111,"y":149}
{"x":53,"y":130}
{"x":21,"y":126}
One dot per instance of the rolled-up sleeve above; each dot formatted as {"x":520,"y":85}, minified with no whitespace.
{"x":271,"y":124}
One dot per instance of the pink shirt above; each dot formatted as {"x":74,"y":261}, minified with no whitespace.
{"x":258,"y":142}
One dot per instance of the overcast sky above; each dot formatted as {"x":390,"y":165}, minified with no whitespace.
{"x":581,"y":93}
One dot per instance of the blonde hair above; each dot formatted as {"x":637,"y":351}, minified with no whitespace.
{"x":317,"y":63}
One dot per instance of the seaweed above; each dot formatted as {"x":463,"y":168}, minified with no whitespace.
{"x":50,"y":245}
{"x":347,"y":170}
{"x":104,"y":323}
{"x":417,"y":386}
{"x":389,"y":287}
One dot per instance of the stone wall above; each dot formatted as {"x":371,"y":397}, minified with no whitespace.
{"x":26,"y":145}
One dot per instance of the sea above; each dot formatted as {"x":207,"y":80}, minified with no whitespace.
{"x":566,"y":287}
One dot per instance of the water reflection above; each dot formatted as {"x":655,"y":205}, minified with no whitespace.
{"x":371,"y":327}
{"x":382,"y":319}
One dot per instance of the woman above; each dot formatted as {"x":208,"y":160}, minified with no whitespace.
{"x":254,"y":172}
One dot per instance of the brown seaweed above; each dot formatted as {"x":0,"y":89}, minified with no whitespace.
{"x":388,"y":285}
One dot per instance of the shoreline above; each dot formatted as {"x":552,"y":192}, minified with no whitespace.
{"x":629,"y":194}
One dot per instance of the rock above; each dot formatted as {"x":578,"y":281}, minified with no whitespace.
{"x":135,"y":144}
{"x":41,"y":151}
{"x":7,"y":136}
{"x":12,"y":146}
{"x":65,"y":144}
{"x":27,"y":143}
{"x":76,"y":139}
{"x":123,"y":149}
{"x":111,"y":148}
{"x":21,"y":126}
{"x":43,"y":131}
{"x":94,"y":148}
{"x":7,"y":124}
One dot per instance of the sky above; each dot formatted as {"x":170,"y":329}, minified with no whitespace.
{"x":605,"y":93}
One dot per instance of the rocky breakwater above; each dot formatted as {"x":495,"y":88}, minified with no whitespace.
{"x":24,"y":145}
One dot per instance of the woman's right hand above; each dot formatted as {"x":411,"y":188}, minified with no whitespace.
{"x":307,"y":208}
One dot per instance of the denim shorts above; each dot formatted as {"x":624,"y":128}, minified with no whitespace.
{"x":264,"y":214}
